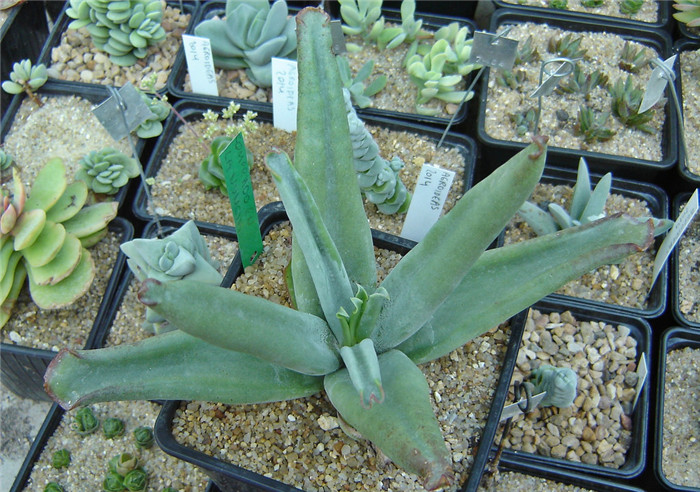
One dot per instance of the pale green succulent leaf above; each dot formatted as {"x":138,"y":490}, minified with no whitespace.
{"x":62,"y":265}
{"x":362,"y":366}
{"x":48,"y":186}
{"x":595,"y":208}
{"x":539,"y":220}
{"x":91,"y":219}
{"x":46,"y":246}
{"x":582,"y":190}
{"x":65,"y":292}
{"x":561,"y":216}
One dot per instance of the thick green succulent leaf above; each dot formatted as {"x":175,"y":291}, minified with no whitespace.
{"x":539,"y":220}
{"x":404,"y":426}
{"x":70,"y":202}
{"x":28,"y":227}
{"x":62,"y":265}
{"x":595,"y":208}
{"x":582,"y":190}
{"x":215,"y":31}
{"x":46,"y":246}
{"x":9,"y":260}
{"x":362,"y":365}
{"x":253,"y":325}
{"x":323,"y":152}
{"x":171,"y":366}
{"x":69,"y":289}
{"x":506,"y":280}
{"x":424,"y":277}
{"x":91,"y":219}
{"x":320,"y":253}
{"x":92,"y":239}
{"x":48,"y":186}
{"x":16,"y":283}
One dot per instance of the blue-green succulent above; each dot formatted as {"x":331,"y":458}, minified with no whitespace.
{"x":107,"y":170}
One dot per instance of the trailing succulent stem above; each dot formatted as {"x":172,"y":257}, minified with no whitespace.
{"x":355,"y":337}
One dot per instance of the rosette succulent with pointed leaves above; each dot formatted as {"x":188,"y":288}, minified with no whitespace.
{"x":182,"y":255}
{"x":359,"y":340}
{"x":26,"y":77}
{"x":107,"y":170}
{"x":688,"y":12}
{"x":43,"y":236}
{"x":124,"y":29}
{"x":586,"y":206}
{"x":361,"y":94}
{"x":251,"y":34}
{"x":378,"y":178}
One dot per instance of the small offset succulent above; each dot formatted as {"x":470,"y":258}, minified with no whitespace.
{"x":136,"y":480}
{"x":527,"y":52}
{"x":112,"y":427}
{"x":511,"y":78}
{"x":107,"y":170}
{"x":85,"y":422}
{"x":361,"y":94}
{"x":183,"y":254}
{"x":113,"y":482}
{"x":124,"y":29}
{"x":361,"y":17}
{"x":144,"y":437}
{"x":558,"y":382}
{"x":6,"y":162}
{"x":211,"y":171}
{"x":153,"y":126}
{"x":559,"y":4}
{"x":60,"y":459}
{"x":251,"y":34}
{"x":566,"y":46}
{"x":378,"y":178}
{"x":27,"y":78}
{"x":592,"y":126}
{"x":53,"y":487}
{"x":688,"y":12}
{"x":123,"y":463}
{"x":592,"y":4}
{"x":630,"y":7}
{"x":43,"y":236}
{"x":581,"y":82}
{"x":409,"y":31}
{"x":358,"y":339}
{"x":626,"y":100}
{"x":586,"y":206}
{"x":633,"y":59}
{"x":524,"y":121}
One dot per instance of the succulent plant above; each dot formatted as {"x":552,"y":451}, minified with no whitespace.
{"x":527,"y":52}
{"x":85,"y":422}
{"x":559,"y":4}
{"x":630,"y":7}
{"x":144,"y":437}
{"x":360,"y":93}
{"x":112,"y":427}
{"x":688,"y":12}
{"x":591,"y":125}
{"x":44,"y":236}
{"x":251,"y":34}
{"x":592,"y":4}
{"x":344,"y":335}
{"x":633,"y":59}
{"x":107,"y":170}
{"x":153,"y":126}
{"x":581,"y":82}
{"x":524,"y":121}
{"x":361,"y":17}
{"x":586,"y":206}
{"x":123,"y":463}
{"x":211,"y":171}
{"x":378,"y":178}
{"x":460,"y":48}
{"x":566,"y":46}
{"x":136,"y":480}
{"x":124,"y":29}
{"x":53,"y":487}
{"x":26,"y":77}
{"x":511,"y":78}
{"x":558,"y":382}
{"x":409,"y":31}
{"x":6,"y":161}
{"x":182,"y":255}
{"x":626,"y":100}
{"x":60,"y":458}
{"x":113,"y":482}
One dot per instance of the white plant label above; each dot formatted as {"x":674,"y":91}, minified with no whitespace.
{"x":657,"y":83}
{"x":510,"y":411}
{"x":427,"y":201}
{"x":126,"y":106}
{"x":548,"y":84}
{"x":684,"y":219}
{"x":642,"y":372}
{"x":491,"y":50}
{"x":200,"y":64}
{"x":284,"y":94}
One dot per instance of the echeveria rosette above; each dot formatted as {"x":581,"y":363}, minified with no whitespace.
{"x":26,"y":77}
{"x":358,"y":339}
{"x":252,"y":33}
{"x":107,"y":170}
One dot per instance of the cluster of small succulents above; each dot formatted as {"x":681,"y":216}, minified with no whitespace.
{"x":359,"y":92}
{"x":26,"y":77}
{"x":107,"y":170}
{"x":124,"y":29}
{"x":44,"y":236}
{"x":249,"y":36}
{"x":124,"y":473}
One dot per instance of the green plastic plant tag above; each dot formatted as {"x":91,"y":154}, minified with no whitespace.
{"x":240,"y":192}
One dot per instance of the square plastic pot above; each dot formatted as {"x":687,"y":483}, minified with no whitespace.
{"x":23,"y":367}
{"x":681,"y":318}
{"x":496,"y":150}
{"x":191,"y":110}
{"x":229,"y":477}
{"x":675,"y":338}
{"x":658,"y":202}
{"x":680,"y":46}
{"x":636,"y":458}
{"x":217,"y":8}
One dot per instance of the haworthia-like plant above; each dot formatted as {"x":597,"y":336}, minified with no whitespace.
{"x":358,"y":340}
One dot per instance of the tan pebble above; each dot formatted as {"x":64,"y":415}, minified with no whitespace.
{"x":588,"y":434}
{"x":553,"y":429}
{"x":558,"y":451}
{"x":86,"y":76}
{"x":626,"y":422}
{"x":570,"y":441}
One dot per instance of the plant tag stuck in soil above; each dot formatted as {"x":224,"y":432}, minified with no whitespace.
{"x":240,"y":192}
{"x":684,"y":219}
{"x":642,"y":372}
{"x":200,"y":64}
{"x":515,"y":409}
{"x":660,"y":76}
{"x":338,"y":38}
{"x":428,"y":199}
{"x":493,"y":50}
{"x":284,"y":94}
{"x":123,"y":112}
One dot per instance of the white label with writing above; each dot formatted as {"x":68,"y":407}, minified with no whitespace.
{"x":427,"y":201}
{"x":684,"y":219}
{"x":284,"y":94}
{"x":200,"y":64}
{"x":642,"y":372}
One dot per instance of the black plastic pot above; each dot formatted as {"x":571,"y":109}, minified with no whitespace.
{"x":637,"y":452}
{"x":497,"y":151}
{"x":680,"y":46}
{"x":681,"y":318}
{"x":228,"y":477}
{"x":96,"y":94}
{"x":23,"y":367}
{"x":54,"y":39}
{"x":658,"y":202}
{"x":675,"y":338}
{"x":192,"y":110}
{"x":663,"y":22}
{"x":216,"y":7}
{"x":22,"y":35}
